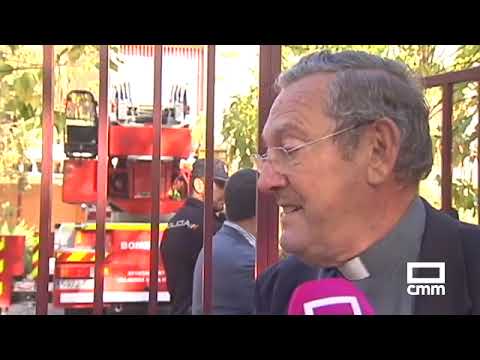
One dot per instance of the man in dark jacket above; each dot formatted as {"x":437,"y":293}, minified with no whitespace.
{"x":356,"y":126}
{"x":183,"y":238}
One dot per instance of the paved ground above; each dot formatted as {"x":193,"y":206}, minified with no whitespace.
{"x":24,"y":304}
{"x":28,"y":308}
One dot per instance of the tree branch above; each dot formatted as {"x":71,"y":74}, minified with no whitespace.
{"x":454,"y":103}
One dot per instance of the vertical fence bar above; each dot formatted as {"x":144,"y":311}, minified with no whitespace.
{"x":46,"y":182}
{"x":202,"y":78}
{"x":198,"y":54}
{"x":155,"y":214}
{"x":447,"y":110}
{"x":478,"y":152}
{"x":267,"y":209}
{"x":102,"y":179}
{"x":209,"y":154}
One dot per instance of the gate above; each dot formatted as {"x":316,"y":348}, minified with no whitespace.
{"x":267,"y":214}
{"x":267,"y":250}
{"x":446,"y":82}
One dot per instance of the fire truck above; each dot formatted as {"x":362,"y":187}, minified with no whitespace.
{"x":126,"y":266}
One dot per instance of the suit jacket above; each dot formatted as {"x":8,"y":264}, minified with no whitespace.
{"x":444,"y":240}
{"x":233,"y":273}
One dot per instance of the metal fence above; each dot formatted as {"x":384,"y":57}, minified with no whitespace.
{"x":267,"y":214}
{"x":267,"y":251}
{"x":446,"y":82}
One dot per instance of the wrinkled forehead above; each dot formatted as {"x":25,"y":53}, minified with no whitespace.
{"x":294,"y":98}
{"x":298,"y":107}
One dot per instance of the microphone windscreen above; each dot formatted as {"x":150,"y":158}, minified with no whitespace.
{"x":335,"y":296}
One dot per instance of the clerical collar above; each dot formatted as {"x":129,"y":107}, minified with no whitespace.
{"x":392,"y":250}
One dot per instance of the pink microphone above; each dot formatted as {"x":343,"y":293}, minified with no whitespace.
{"x":335,"y":296}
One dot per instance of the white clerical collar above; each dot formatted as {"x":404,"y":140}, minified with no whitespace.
{"x":394,"y":249}
{"x":354,"y":269}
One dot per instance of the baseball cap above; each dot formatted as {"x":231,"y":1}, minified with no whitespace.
{"x":220,"y":170}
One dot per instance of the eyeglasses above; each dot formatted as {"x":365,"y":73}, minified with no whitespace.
{"x":281,"y":159}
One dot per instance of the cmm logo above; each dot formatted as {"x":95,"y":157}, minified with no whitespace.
{"x":426,"y":285}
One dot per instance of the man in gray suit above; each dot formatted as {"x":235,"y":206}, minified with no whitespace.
{"x":233,"y":265}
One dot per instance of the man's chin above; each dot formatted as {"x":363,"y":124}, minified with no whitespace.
{"x":294,"y":246}
{"x":291,"y":245}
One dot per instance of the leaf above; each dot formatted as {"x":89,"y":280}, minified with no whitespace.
{"x":24,"y":110}
{"x":75,"y":53}
{"x":113,"y":66}
{"x":13,"y":48}
{"x":11,"y":105}
{"x":60,"y":121}
{"x":5,"y":70}
{"x":60,"y":54}
{"x":239,"y":130}
{"x":24,"y":86}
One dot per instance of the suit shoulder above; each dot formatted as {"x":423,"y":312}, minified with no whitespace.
{"x":470,"y":237}
{"x":470,"y":229}
{"x":275,"y":285}
{"x":285,"y":266}
{"x":232,"y":251}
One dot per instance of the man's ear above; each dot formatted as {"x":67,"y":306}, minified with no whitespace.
{"x":384,"y":149}
{"x":199,"y":185}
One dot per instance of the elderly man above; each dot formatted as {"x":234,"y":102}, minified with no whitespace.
{"x":348,"y":142}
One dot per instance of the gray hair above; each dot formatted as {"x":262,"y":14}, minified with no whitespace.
{"x":367,"y":87}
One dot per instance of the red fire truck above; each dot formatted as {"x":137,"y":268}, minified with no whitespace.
{"x":126,"y":266}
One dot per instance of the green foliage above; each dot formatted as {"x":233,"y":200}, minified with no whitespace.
{"x":10,"y":226}
{"x":466,"y":57}
{"x":76,"y":66}
{"x":7,"y":218}
{"x":5,"y":70}
{"x":21,"y":110}
{"x":15,"y":139}
{"x":292,"y":53}
{"x":198,"y":132}
{"x":240,"y":131}
{"x":240,"y":125}
{"x":464,"y":195}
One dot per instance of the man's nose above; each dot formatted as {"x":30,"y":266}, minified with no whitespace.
{"x":270,"y":180}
